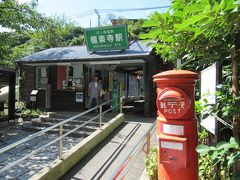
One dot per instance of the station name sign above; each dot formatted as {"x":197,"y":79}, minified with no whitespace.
{"x":106,"y":38}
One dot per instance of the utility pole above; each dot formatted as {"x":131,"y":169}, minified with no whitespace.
{"x":97,"y":12}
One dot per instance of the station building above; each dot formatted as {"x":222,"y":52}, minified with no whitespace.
{"x":62,"y":74}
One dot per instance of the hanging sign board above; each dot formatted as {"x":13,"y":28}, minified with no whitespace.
{"x":33,"y":95}
{"x":106,"y":38}
{"x":209,"y":81}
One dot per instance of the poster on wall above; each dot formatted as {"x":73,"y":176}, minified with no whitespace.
{"x":43,"y":80}
{"x":209,"y":82}
{"x":79,"y":96}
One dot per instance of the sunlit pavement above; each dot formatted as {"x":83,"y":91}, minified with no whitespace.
{"x":102,"y":162}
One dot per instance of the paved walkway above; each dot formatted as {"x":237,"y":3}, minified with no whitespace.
{"x":12,"y":133}
{"x":99,"y":164}
{"x":102,"y":162}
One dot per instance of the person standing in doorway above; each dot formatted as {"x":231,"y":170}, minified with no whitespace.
{"x":101,"y":88}
{"x":94,"y":92}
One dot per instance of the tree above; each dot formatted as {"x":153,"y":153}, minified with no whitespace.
{"x":200,"y":33}
{"x":56,"y":32}
{"x":17,"y":18}
{"x":108,"y":18}
{"x":205,"y":32}
{"x":134,"y":25}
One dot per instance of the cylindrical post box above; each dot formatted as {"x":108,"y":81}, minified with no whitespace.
{"x":176,"y":125}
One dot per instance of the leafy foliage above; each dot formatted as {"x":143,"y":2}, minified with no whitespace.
{"x":217,"y":161}
{"x":56,"y":33}
{"x":202,"y":136}
{"x":197,"y":32}
{"x":31,"y":31}
{"x":200,"y":32}
{"x":18,"y":18}
{"x":22,"y":109}
{"x":151,"y":163}
{"x":135,"y":27}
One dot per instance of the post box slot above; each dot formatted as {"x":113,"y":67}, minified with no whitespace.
{"x":173,"y":152}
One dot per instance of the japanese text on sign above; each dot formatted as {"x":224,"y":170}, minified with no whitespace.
{"x":106,"y":38}
{"x":172,"y":105}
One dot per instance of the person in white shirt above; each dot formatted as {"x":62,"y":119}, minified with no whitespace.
{"x":94,"y":92}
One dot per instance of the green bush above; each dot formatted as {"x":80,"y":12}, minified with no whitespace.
{"x":32,"y":112}
{"x":202,"y":135}
{"x":151,"y":164}
{"x":216,"y":162}
{"x":20,"y":106}
{"x":24,"y":112}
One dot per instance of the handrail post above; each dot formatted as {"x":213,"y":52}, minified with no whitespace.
{"x":148,"y":144}
{"x":100,"y":116}
{"x":60,"y":142}
{"x":121,"y":105}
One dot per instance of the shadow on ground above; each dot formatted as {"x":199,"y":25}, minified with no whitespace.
{"x":121,"y":140}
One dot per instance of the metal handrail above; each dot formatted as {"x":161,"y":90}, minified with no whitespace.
{"x":139,"y":145}
{"x":50,"y":128}
{"x":30,"y":137}
{"x":45,"y":146}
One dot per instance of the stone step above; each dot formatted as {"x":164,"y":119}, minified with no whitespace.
{"x":76,"y":121}
{"x":56,"y":120}
{"x":62,"y":115}
{"x":78,"y":134}
{"x":87,"y":127}
{"x":65,"y":115}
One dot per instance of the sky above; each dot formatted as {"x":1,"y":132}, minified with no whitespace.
{"x":69,"y":8}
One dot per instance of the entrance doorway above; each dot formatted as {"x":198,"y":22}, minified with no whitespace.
{"x":7,"y":93}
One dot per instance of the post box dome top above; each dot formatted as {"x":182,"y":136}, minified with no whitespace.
{"x":176,"y":74}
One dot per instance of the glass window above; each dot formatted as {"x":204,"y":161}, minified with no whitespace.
{"x":73,"y":78}
{"x":41,"y":75}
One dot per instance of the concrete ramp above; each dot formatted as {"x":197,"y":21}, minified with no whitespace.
{"x":102,"y":162}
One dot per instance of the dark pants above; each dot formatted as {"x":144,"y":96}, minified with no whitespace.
{"x":93,"y":102}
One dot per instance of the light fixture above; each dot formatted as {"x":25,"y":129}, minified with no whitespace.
{"x":112,"y":67}
{"x":104,"y":62}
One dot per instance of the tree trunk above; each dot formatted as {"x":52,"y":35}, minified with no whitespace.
{"x":235,"y":91}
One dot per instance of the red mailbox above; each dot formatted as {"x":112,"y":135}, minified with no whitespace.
{"x":177,"y":125}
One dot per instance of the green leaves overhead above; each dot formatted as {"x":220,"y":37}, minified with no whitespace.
{"x":19,"y":17}
{"x":191,"y":21}
{"x":203,"y":30}
{"x":31,"y":31}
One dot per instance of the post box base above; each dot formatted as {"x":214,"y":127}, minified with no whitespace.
{"x":177,"y":158}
